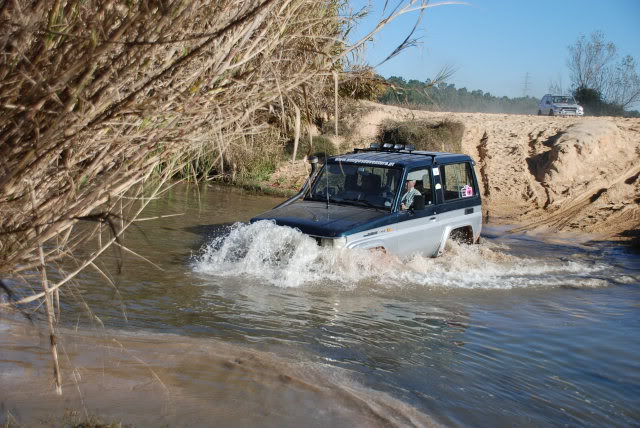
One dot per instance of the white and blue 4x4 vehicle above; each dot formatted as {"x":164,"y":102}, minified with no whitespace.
{"x":354,"y":201}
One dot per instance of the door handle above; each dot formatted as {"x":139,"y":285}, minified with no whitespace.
{"x":432,"y":219}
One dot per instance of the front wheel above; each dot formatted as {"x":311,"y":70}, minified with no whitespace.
{"x":550,"y":112}
{"x":539,"y":112}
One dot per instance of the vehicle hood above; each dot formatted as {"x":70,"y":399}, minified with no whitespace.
{"x":314,"y":218}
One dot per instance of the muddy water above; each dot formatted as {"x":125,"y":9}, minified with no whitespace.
{"x":241,"y":325}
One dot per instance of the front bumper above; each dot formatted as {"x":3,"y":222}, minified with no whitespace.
{"x":565,"y":112}
{"x":339,"y":242}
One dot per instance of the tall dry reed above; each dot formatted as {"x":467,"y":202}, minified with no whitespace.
{"x":98,"y":95}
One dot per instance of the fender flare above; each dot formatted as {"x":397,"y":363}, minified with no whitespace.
{"x":447,"y":233}
{"x":443,"y":241}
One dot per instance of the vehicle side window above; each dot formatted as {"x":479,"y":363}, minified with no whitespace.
{"x":457,"y":181}
{"x":422,"y":178}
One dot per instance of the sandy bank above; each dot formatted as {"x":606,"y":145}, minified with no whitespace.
{"x":549,"y":174}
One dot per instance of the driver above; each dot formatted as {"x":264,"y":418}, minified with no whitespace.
{"x":410,"y":193}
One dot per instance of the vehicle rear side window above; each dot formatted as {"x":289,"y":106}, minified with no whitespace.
{"x":457,"y":181}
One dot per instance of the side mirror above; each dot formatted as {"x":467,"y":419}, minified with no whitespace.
{"x":418,"y":203}
{"x":313,"y":160}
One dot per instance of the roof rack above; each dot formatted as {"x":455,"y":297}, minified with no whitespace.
{"x":387,"y":147}
{"x":395,"y":148}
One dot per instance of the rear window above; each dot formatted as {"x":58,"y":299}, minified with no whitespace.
{"x":457,"y":181}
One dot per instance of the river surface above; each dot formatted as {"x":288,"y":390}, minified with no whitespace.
{"x":230,"y":324}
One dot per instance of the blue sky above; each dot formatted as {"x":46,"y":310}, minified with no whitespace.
{"x":493,"y":44}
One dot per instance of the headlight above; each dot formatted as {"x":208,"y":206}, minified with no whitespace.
{"x":334,"y":242}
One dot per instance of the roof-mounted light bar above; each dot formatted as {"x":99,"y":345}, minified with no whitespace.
{"x":389,"y":147}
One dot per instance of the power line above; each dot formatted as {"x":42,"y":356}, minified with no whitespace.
{"x":525,"y":84}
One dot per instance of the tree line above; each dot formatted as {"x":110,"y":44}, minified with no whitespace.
{"x":442,"y":96}
{"x":601,"y":81}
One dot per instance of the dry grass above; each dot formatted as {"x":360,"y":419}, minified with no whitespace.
{"x":96,"y":95}
{"x":443,"y":136}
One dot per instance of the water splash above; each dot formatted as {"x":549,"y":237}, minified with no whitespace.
{"x":285,"y":257}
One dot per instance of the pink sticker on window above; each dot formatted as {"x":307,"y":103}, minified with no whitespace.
{"x":466,"y":191}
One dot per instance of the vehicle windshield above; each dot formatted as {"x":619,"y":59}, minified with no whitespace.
{"x":369,"y":186}
{"x":564,"y":100}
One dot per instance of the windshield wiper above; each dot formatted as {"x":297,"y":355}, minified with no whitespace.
{"x":323,"y":198}
{"x":350,"y":201}
{"x":336,"y":200}
{"x":365,"y":202}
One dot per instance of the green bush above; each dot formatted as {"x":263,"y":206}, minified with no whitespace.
{"x":594,"y":105}
{"x":258,"y":169}
{"x":252,"y":158}
{"x":322,"y":147}
{"x":258,"y":158}
{"x":329,"y":128}
{"x":444,"y":136}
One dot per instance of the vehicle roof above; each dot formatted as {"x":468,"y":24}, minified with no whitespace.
{"x":400,"y":158}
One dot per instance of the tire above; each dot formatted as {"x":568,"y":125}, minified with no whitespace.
{"x":462,"y":235}
{"x":379,"y":250}
{"x":539,"y":112}
{"x":550,"y":112}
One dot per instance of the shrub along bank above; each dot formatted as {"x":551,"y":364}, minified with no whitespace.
{"x":262,"y":171}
